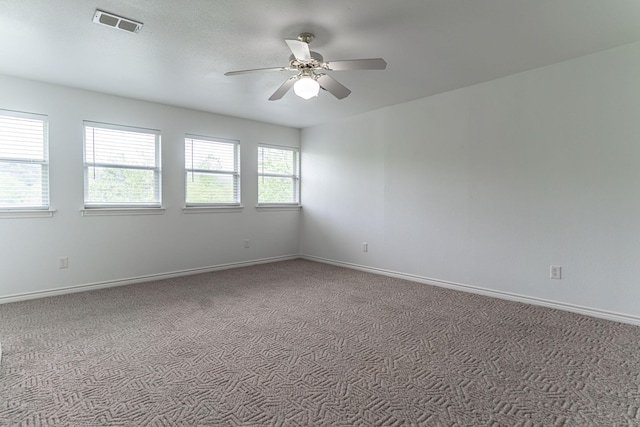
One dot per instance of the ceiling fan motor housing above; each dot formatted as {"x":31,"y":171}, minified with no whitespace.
{"x":315,"y":62}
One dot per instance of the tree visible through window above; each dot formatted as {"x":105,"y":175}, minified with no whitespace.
{"x":212,"y":171}
{"x":24,"y":161}
{"x":121,"y":167}
{"x":278,"y":175}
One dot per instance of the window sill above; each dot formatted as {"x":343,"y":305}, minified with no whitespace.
{"x":26,"y":213}
{"x":211,"y":209}
{"x":121,"y":211}
{"x":278,"y":207}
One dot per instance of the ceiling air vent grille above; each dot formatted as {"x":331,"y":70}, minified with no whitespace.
{"x":115,"y":21}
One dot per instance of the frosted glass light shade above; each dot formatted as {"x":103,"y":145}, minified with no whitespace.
{"x":306,"y":87}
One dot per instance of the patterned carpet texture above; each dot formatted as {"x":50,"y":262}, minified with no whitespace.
{"x":306,"y":344}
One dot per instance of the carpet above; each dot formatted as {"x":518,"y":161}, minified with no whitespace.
{"x":302,"y":343}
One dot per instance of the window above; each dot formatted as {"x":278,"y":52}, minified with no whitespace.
{"x":24,"y":161}
{"x":121,"y":166}
{"x":278,"y":175}
{"x":212,"y":171}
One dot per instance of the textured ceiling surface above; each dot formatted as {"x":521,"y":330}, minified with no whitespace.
{"x":185,"y":47}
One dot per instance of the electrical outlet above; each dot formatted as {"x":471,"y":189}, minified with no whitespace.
{"x":246,"y":243}
{"x":365,"y":247}
{"x":555,"y":272}
{"x":63,"y":262}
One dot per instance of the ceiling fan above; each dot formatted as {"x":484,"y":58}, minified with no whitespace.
{"x":310,"y":67}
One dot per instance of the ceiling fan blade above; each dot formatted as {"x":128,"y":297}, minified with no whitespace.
{"x":284,"y":88}
{"x":357,"y":64}
{"x":300,"y":50}
{"x":256,"y":70}
{"x":332,"y":85}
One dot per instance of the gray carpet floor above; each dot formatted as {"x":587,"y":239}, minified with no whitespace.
{"x":303,"y":343}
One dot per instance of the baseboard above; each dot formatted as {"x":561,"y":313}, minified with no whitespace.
{"x":588,"y":311}
{"x":594,"y":312}
{"x":140,"y":279}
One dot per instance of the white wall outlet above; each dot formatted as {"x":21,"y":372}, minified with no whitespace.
{"x":555,"y":272}
{"x":63,"y":262}
{"x":365,"y":247}
{"x":246,"y":243}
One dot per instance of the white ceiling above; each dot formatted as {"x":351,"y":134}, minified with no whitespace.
{"x":185,"y":47}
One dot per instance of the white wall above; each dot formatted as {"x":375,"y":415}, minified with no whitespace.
{"x":104,"y":249}
{"x":490,"y":184}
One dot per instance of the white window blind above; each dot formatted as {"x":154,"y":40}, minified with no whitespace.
{"x":212,"y":171}
{"x":121,"y":166}
{"x":278,"y":175}
{"x":24,"y":161}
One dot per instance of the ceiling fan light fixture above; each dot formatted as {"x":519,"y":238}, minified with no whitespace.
{"x":306,"y":87}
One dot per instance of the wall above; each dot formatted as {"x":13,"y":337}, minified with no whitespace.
{"x":112,"y":249}
{"x":489,"y":185}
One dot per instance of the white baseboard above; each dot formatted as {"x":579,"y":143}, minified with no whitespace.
{"x":140,"y":279}
{"x":594,"y":312}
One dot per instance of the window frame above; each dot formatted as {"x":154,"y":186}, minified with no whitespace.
{"x":44,"y":209}
{"x":295,"y":177}
{"x":235,"y":174}
{"x":123,"y":207}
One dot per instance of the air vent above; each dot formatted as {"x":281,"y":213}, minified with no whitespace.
{"x":115,"y":21}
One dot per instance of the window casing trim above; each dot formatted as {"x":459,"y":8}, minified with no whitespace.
{"x":125,"y":128}
{"x":26,"y":213}
{"x":265,"y":207}
{"x":43,"y":210}
{"x":118,"y":211}
{"x":295,"y":179}
{"x":199,"y":207}
{"x":126,"y":208}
